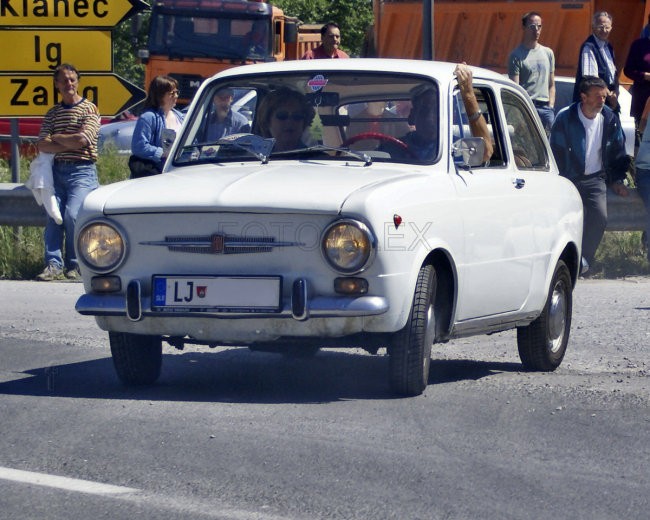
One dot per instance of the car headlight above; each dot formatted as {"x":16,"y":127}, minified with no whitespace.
{"x":101,"y":246}
{"x":348,"y":246}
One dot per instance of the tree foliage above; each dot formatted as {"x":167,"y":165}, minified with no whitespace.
{"x":128,"y":37}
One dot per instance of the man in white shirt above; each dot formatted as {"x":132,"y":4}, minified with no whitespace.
{"x":597,"y":59}
{"x":589,"y":147}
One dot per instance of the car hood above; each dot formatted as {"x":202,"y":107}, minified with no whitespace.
{"x":270,"y":188}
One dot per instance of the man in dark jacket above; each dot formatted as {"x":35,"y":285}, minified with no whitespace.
{"x":597,"y":59}
{"x":589,"y":147}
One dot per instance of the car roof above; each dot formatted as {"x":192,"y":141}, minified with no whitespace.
{"x":442,"y":71}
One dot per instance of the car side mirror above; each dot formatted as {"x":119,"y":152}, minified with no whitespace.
{"x":469,"y":150}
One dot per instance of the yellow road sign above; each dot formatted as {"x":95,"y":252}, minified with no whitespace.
{"x":70,"y":13}
{"x":43,"y":50}
{"x":33,"y":95}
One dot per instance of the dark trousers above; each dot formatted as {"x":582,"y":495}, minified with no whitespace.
{"x":593,"y":191}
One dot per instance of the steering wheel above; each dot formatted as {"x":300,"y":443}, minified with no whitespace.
{"x":379,"y":137}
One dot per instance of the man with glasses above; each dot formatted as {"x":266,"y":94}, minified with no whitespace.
{"x":69,"y":131}
{"x":597,"y":59}
{"x":532,"y":65}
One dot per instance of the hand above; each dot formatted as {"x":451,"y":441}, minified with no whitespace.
{"x":612,"y":97}
{"x":620,"y":189}
{"x":463,"y":74}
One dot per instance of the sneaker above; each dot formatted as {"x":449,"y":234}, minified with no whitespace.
{"x":50,"y":273}
{"x":73,"y":274}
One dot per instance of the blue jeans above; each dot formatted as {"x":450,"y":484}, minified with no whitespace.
{"x":642,"y":179}
{"x":72,"y":182}
{"x":547,"y":115}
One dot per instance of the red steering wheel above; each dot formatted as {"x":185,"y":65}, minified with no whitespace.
{"x":379,"y":137}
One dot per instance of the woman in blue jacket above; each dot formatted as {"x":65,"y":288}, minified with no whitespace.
{"x":159,"y":113}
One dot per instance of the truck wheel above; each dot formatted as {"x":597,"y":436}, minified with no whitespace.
{"x":137,"y":358}
{"x":410,"y":350}
{"x":542,"y":344}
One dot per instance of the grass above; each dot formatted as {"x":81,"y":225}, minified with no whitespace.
{"x":621,"y":253}
{"x":21,"y":248}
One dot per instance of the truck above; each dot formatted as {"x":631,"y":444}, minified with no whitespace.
{"x":190,"y":40}
{"x":484,"y":32}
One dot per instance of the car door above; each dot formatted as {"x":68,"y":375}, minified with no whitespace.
{"x":495,"y":207}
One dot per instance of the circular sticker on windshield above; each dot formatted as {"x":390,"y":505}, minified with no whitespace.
{"x":317,"y":83}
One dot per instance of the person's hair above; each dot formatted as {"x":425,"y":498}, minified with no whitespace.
{"x":590,"y":82}
{"x":527,"y":16}
{"x":275,"y":99}
{"x":65,"y":66}
{"x":323,"y":30}
{"x":158,"y":87}
{"x":594,"y":19}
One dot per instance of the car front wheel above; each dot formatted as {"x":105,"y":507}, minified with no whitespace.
{"x":542,"y":344}
{"x":137,"y":358}
{"x":410,"y":350}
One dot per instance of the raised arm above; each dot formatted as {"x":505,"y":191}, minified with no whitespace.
{"x":477,"y":123}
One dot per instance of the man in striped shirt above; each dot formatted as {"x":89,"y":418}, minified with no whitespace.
{"x":70,"y":130}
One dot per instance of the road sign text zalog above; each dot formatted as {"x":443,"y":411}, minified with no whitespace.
{"x":24,"y":95}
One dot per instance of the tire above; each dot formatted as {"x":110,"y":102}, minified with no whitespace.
{"x":543,"y":343}
{"x":410,"y":350}
{"x":137,"y":358}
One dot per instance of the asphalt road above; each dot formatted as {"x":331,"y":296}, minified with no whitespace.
{"x":233,"y":434}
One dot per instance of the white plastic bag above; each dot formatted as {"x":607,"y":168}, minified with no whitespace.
{"x":42,"y":186}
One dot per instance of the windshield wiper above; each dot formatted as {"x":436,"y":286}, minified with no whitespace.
{"x":323,"y":148}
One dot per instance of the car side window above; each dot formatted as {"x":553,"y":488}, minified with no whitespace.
{"x":528,"y":147}
{"x":487,"y":106}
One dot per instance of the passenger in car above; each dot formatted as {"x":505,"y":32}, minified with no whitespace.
{"x":284,"y":114}
{"x":222,"y":120}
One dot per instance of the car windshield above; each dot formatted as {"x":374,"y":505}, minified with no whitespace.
{"x":385,"y":117}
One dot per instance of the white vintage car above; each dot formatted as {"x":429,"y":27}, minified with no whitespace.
{"x":349,"y":240}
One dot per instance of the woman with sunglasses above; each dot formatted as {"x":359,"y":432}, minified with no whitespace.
{"x":284,"y":114}
{"x":158,"y":114}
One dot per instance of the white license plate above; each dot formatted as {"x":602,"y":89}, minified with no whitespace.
{"x":222,"y":293}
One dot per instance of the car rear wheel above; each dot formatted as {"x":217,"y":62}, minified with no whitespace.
{"x":543,"y":343}
{"x":137,"y":358}
{"x":410,"y":350}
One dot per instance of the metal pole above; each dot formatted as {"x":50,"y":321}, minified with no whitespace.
{"x":427,"y":30}
{"x":15,"y":152}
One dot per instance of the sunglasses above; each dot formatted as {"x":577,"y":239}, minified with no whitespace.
{"x":295,"y":116}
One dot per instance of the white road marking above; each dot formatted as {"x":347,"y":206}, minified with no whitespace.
{"x":69,"y":484}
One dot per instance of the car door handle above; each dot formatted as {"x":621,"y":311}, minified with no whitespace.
{"x":519,"y":183}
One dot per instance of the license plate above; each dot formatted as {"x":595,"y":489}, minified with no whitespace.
{"x":217,"y":293}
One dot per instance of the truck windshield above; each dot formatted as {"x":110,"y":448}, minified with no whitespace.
{"x":185,"y":35}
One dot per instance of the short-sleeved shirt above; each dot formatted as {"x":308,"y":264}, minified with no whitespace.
{"x":318,"y":53}
{"x":534,"y":68}
{"x":80,"y":118}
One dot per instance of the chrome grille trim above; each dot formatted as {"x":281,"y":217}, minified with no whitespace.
{"x":217,"y":244}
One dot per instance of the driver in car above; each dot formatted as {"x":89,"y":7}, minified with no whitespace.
{"x":422,"y":142}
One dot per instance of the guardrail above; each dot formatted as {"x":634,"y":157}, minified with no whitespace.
{"x":18,"y":208}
